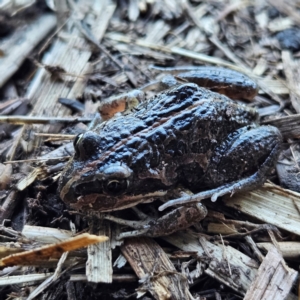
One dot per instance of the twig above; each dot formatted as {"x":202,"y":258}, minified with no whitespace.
{"x":20,"y":120}
{"x":35,"y":159}
{"x":54,"y":135}
{"x":225,"y":255}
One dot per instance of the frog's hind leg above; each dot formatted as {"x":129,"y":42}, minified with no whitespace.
{"x":256,"y":149}
{"x":177,"y":219}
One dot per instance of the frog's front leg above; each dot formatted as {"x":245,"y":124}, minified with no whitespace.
{"x":242,"y":163}
{"x":177,"y":219}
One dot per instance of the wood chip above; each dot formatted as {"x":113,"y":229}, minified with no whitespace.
{"x":26,"y":39}
{"x":102,"y":49}
{"x":289,"y":250}
{"x":99,"y":262}
{"x":54,"y":250}
{"x":45,"y":235}
{"x":274,"y":279}
{"x":19,"y":279}
{"x":270,"y":204}
{"x":71,"y":55}
{"x":292,"y":71}
{"x":289,"y":126}
{"x":243,"y":268}
{"x":156,"y":272}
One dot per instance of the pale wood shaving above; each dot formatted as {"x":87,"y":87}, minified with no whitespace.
{"x":288,"y":250}
{"x":244,"y":268}
{"x":103,"y":48}
{"x":32,"y":34}
{"x":291,"y":68}
{"x":287,"y":7}
{"x":54,"y":250}
{"x":56,"y":275}
{"x":18,"y":279}
{"x":157,"y":273}
{"x":270,"y":204}
{"x":280,"y":24}
{"x":274,"y":278}
{"x":221,"y":228}
{"x":99,"y":262}
{"x":45,"y":235}
{"x":70,"y":56}
{"x":288,"y":126}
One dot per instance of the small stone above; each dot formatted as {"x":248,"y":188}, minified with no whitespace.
{"x":289,"y":39}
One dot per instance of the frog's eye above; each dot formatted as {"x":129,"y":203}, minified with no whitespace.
{"x":116,"y":187}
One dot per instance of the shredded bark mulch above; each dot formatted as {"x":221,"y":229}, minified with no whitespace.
{"x":60,"y":60}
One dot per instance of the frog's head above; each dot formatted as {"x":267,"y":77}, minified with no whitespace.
{"x":93,"y":180}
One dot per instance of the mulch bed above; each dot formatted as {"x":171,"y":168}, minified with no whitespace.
{"x":57,"y":65}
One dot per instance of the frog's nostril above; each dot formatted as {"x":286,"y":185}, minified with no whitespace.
{"x":75,"y":143}
{"x":87,"y":145}
{"x":182,"y":96}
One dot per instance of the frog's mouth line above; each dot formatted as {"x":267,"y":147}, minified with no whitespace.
{"x":106,"y":203}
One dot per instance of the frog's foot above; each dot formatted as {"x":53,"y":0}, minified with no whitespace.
{"x":249,"y":183}
{"x":177,"y":219}
{"x":241,"y":185}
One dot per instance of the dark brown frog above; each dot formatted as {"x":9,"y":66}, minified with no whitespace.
{"x":186,"y":136}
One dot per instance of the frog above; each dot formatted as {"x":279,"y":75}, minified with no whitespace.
{"x":182,"y":145}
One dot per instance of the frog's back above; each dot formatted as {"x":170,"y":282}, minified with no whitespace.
{"x":172,"y":134}
{"x":175,"y":103}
